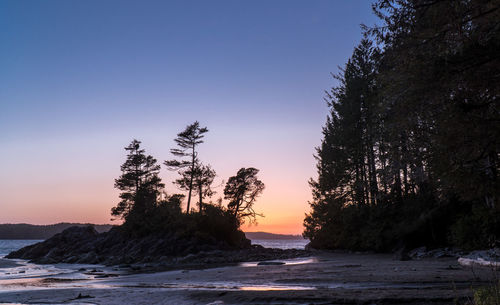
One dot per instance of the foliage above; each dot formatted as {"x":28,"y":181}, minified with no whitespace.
{"x":242,"y":191}
{"x":139,"y":183}
{"x":410,"y":149}
{"x":440,"y":73}
{"x":477,"y":227}
{"x":216,"y":226}
{"x":489,"y":295}
{"x":151,"y":213}
{"x":187,"y":141}
{"x":203,"y":177}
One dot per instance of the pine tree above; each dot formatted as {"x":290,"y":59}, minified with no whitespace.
{"x":440,"y":76}
{"x":242,"y":191}
{"x":410,"y":150}
{"x":203,"y":177}
{"x":139,"y":182}
{"x":187,"y":141}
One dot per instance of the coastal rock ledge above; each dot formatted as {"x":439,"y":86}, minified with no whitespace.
{"x":84,"y":245}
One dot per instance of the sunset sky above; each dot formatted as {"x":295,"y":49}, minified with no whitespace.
{"x":80,"y":79}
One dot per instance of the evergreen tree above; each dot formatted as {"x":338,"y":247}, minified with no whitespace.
{"x":440,"y":75}
{"x":242,"y":191}
{"x":346,"y":158}
{"x":410,"y":150}
{"x":139,"y":182}
{"x":203,"y":177}
{"x":187,"y":141}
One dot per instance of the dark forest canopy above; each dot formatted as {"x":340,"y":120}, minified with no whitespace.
{"x":410,"y":149}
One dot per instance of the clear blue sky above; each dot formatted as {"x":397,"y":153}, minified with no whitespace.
{"x":80,"y":79}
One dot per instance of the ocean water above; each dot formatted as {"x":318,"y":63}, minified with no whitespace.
{"x":20,"y":275}
{"x":281,"y":243}
{"x":17,"y":271}
{"x":9,"y":245}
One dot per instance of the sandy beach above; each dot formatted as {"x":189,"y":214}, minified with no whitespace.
{"x":331,"y":278}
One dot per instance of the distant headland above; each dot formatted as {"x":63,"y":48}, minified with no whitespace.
{"x":31,"y":231}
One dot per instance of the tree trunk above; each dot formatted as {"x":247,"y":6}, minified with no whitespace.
{"x":200,"y":188}
{"x":191,"y":182}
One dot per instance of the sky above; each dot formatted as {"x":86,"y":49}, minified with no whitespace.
{"x":80,"y":79}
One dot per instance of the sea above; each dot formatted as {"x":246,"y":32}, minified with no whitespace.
{"x":299,"y":243}
{"x":16,"y":269}
{"x":9,"y":245}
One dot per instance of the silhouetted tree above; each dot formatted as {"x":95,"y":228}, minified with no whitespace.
{"x":410,"y":153}
{"x":440,"y":75}
{"x":203,"y":177}
{"x":139,"y":182}
{"x":242,"y":190}
{"x":187,"y":141}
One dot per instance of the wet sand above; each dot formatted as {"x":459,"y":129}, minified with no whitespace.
{"x":325,"y":278}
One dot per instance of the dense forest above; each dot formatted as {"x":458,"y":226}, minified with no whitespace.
{"x":410,"y":149}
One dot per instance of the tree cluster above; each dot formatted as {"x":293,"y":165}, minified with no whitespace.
{"x":410,"y":149}
{"x":147,"y":209}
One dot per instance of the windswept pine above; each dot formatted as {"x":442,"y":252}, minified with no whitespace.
{"x":191,"y":170}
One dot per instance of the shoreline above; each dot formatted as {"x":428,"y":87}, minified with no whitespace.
{"x":323,"y":277}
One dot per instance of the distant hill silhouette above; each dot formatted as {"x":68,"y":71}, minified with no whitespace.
{"x":29,"y":231}
{"x":265,"y":235}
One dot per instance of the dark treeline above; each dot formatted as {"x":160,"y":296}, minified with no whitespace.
{"x":410,"y":149}
{"x":148,"y":210}
{"x":29,"y":231}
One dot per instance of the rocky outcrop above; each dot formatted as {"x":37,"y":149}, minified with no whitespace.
{"x":489,"y":258}
{"x":86,"y":245}
{"x":423,"y":252}
{"x":72,"y":241}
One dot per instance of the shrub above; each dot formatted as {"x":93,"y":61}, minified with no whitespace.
{"x":477,"y":229}
{"x":489,"y":295}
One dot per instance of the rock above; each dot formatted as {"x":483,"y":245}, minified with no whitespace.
{"x":58,"y":247}
{"x":85,"y":246}
{"x":490,"y":258}
{"x":418,"y":252}
{"x":423,"y":252}
{"x":88,"y":258}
